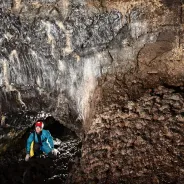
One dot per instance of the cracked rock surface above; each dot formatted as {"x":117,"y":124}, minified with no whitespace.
{"x":53,"y":52}
{"x":138,"y":141}
{"x":110,"y":70}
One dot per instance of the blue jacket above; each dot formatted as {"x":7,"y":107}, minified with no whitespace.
{"x":46,"y":139}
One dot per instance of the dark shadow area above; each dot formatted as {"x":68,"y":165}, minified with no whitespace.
{"x":56,"y":128}
{"x":171,"y":3}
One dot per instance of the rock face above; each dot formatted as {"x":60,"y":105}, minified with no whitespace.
{"x":99,"y":67}
{"x":137,"y":141}
{"x":52,"y":52}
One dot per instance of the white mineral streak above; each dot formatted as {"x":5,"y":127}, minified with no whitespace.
{"x":91,"y":71}
{"x":51,"y":39}
{"x":6,"y":76}
{"x":38,"y":65}
{"x":61,"y":66}
{"x":65,"y":7}
{"x":14,"y":59}
{"x":138,"y":28}
{"x":68,"y":49}
{"x":16,"y":5}
{"x":45,"y":72}
{"x":8,"y":36}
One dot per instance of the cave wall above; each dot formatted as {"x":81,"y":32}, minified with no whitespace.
{"x":135,"y":131}
{"x":84,"y":62}
{"x":135,"y":141}
{"x":53,"y":52}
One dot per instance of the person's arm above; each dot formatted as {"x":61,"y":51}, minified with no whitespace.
{"x":50,"y":139}
{"x":29,"y":141}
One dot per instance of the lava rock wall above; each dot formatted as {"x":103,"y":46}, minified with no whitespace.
{"x":84,"y":62}
{"x":53,"y":51}
{"x":136,"y":141}
{"x":134,"y":132}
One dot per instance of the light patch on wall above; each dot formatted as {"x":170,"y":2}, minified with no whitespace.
{"x":39,"y":65}
{"x":33,"y":54}
{"x":36,"y":4}
{"x":65,"y":4}
{"x":61,"y":66}
{"x":51,"y":39}
{"x":73,"y":81}
{"x":125,"y":7}
{"x":5,"y":79}
{"x":9,"y":87}
{"x":138,"y":29}
{"x":14,"y":57}
{"x":38,"y":81}
{"x":45,"y":70}
{"x":19,"y":98}
{"x":8,"y":36}
{"x":76,"y":56}
{"x":89,"y":84}
{"x":16,"y":5}
{"x":91,"y":71}
{"x":68,"y":49}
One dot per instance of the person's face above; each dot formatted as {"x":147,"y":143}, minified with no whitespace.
{"x":38,"y":129}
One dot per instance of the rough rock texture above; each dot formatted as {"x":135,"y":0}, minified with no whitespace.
{"x":138,"y":141}
{"x":53,"y":51}
{"x":135,"y":131}
{"x":51,"y":54}
{"x":97,"y":67}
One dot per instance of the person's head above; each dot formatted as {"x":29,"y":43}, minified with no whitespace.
{"x":39,"y":126}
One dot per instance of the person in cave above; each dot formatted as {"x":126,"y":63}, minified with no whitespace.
{"x":40,"y":141}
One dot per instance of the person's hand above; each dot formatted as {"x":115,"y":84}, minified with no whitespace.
{"x":55,"y":152}
{"x":27,"y":157}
